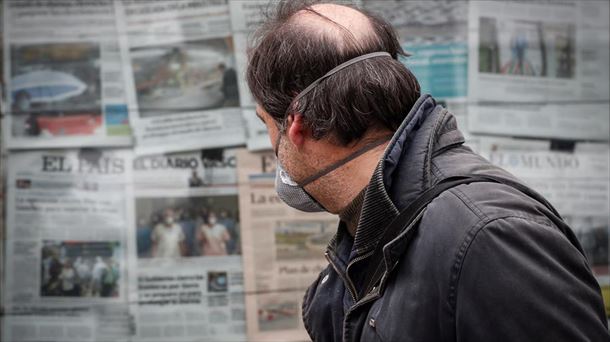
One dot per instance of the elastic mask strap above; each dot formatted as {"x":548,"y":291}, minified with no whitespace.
{"x":334,"y":70}
{"x":343,"y":161}
{"x":276,"y":148}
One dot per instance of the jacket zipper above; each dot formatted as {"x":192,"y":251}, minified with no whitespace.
{"x":364,"y":299}
{"x":346,"y":280}
{"x":355,"y":260}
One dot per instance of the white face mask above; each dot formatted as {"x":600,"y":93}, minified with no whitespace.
{"x":293,"y":193}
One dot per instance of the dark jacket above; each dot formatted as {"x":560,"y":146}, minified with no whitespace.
{"x":487,"y":262}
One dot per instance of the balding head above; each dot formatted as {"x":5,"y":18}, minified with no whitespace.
{"x":337,"y":22}
{"x":302,"y":41}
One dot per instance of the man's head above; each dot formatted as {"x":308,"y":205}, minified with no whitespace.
{"x":301,"y":42}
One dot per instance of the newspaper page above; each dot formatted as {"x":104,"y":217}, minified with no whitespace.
{"x":575,"y":182}
{"x":283,"y":252}
{"x":186,"y":262}
{"x":62,"y":69}
{"x":67,"y":216}
{"x":246,"y":17}
{"x":183,"y":82}
{"x":540,"y":69}
{"x":435,"y":33}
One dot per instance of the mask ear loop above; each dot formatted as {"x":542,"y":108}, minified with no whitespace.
{"x":309,"y":88}
{"x":330,"y":73}
{"x":276,"y":149}
{"x":343,"y":161}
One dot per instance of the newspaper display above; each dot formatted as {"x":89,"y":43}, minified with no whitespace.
{"x":184,"y":90}
{"x":64,"y":80}
{"x":67,"y":216}
{"x":577,"y":183}
{"x":283,"y":252}
{"x":188,"y":280}
{"x":539,"y":69}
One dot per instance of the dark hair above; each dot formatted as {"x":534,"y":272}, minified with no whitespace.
{"x":287,"y":56}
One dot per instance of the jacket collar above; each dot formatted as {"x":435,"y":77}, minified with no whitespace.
{"x":404,"y":171}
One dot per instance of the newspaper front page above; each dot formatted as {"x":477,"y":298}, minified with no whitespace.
{"x":186,"y":262}
{"x":283,"y":252}
{"x":575,"y":182}
{"x":67,"y":213}
{"x":183,"y":91}
{"x":64,"y":80}
{"x":539,"y":69}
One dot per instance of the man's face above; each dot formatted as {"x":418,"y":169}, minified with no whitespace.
{"x":295,"y":163}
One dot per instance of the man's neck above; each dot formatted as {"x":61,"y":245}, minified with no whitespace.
{"x":351,"y":213}
{"x":336,"y":191}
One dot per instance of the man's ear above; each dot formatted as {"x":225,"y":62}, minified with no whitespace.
{"x":296,"y":130}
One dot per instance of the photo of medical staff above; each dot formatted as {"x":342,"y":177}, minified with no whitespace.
{"x":80,"y":269}
{"x":187,"y":227}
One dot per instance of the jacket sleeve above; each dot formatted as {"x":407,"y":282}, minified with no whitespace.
{"x":522,"y":280}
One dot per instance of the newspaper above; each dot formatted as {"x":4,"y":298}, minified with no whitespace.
{"x":283,"y":252}
{"x":62,"y":69}
{"x":576,"y":183}
{"x":67,"y":214}
{"x":539,"y":69}
{"x":186,"y":262}
{"x":435,"y":33}
{"x":182,"y":73}
{"x":246,"y":17}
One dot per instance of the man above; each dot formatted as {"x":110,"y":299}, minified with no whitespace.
{"x":229,"y":86}
{"x":353,"y":136}
{"x":195,"y":181}
{"x":167,"y":237}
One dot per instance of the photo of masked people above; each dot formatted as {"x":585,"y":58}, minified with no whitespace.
{"x":187,"y":227}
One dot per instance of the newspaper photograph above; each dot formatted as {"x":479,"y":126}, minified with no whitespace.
{"x":184,"y":89}
{"x":186,"y":262}
{"x":283,"y":252}
{"x":68,"y":214}
{"x":533,"y":65}
{"x":64,"y":80}
{"x":575,"y":182}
